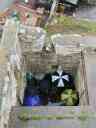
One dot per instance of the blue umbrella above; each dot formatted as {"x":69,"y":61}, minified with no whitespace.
{"x":31,"y":93}
{"x":32,"y":101}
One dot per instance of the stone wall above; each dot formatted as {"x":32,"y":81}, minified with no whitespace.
{"x":90,"y":66}
{"x":24,"y":55}
{"x":31,"y":38}
{"x":65,"y":50}
{"x":53,"y":117}
{"x":91,"y":2}
{"x":9,"y":64}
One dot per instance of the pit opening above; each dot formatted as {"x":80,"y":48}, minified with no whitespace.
{"x":42,"y":63}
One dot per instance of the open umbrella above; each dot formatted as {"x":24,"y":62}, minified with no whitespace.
{"x":69,"y":97}
{"x":32,"y":101}
{"x":31,"y":93}
{"x":62,"y":79}
{"x":31,"y":96}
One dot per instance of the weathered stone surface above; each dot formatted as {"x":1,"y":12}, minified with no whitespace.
{"x":90,"y":66}
{"x":74,"y":40}
{"x":9,"y":62}
{"x":33,"y":38}
{"x":59,"y":117}
{"x":9,"y":35}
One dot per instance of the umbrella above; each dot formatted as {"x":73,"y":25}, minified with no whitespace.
{"x":45,"y":84}
{"x":69,"y":97}
{"x":31,"y":93}
{"x":32,"y":101}
{"x":60,"y":79}
{"x":31,"y":96}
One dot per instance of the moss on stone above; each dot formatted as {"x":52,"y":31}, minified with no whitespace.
{"x":83,"y":116}
{"x":26,"y":117}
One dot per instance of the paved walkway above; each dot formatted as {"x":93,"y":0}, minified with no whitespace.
{"x":59,"y":117}
{"x":87,"y":12}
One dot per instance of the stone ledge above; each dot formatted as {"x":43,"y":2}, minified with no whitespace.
{"x":53,"y":117}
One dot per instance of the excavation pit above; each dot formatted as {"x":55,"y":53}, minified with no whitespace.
{"x":41,"y":63}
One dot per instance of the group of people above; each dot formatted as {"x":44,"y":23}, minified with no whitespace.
{"x":50,"y":90}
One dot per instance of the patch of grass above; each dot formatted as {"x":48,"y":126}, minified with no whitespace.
{"x":25,"y":117}
{"x":82,"y":116}
{"x":67,"y":24}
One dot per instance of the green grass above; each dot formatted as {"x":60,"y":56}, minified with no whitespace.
{"x":82,"y":116}
{"x":70,"y":25}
